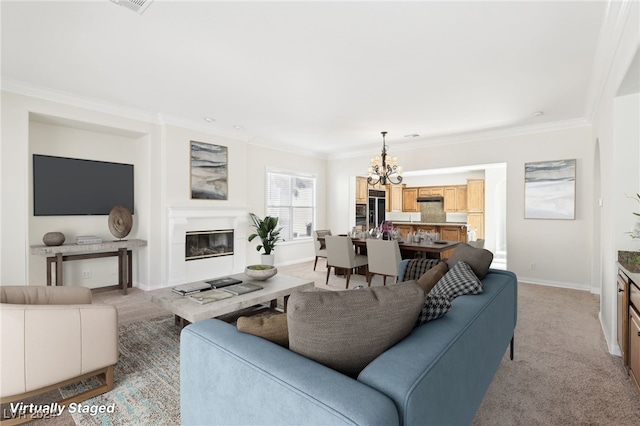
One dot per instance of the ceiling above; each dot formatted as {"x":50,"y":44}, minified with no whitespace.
{"x":322,"y":78}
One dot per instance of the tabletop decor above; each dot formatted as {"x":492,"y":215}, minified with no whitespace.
{"x":120,"y":221}
{"x":260,"y":272}
{"x":53,"y":238}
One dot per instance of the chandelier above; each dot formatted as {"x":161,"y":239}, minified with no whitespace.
{"x":384,"y":170}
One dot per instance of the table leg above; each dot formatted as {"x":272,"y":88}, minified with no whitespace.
{"x":122,"y":269}
{"x":59,"y":280}
{"x":50,"y":260}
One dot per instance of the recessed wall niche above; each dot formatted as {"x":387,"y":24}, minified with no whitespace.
{"x":63,"y":137}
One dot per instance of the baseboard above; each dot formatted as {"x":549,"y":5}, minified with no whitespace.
{"x":559,"y":284}
{"x":613,"y":347}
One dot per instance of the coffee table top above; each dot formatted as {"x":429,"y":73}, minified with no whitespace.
{"x":183,"y":306}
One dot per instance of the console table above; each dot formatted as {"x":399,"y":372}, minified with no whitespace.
{"x":66,"y":252}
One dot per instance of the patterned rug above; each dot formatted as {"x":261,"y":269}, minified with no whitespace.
{"x":147,"y":378}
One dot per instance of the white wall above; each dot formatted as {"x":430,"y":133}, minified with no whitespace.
{"x":160,"y":152}
{"x":559,"y":248}
{"x":619,"y":165}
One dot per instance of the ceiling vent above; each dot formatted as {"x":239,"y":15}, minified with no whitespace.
{"x":136,"y":5}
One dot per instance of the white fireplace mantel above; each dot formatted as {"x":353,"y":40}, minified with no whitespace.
{"x":189,"y":218}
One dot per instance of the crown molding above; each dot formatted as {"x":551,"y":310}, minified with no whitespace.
{"x":613,"y":24}
{"x":40,"y":92}
{"x":472,"y":136}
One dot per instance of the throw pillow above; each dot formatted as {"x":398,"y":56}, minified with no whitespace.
{"x":479,"y":259}
{"x":435,"y":306}
{"x":416,"y":267}
{"x":460,"y":280}
{"x":430,"y":278}
{"x":273,"y":328}
{"x":346,"y":330}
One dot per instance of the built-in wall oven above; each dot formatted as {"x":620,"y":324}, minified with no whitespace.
{"x":376,"y":208}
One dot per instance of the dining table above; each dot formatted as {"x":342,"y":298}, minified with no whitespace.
{"x":409,"y":250}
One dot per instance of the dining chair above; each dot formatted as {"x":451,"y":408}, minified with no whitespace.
{"x":384,"y":259}
{"x":341,"y":254}
{"x":320,"y":246}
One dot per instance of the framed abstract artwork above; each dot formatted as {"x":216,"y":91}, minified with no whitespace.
{"x":209,"y":173}
{"x":550,"y":190}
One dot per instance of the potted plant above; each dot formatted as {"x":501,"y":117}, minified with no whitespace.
{"x":269,"y":232}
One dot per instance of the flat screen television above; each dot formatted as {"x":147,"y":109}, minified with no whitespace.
{"x":72,"y":186}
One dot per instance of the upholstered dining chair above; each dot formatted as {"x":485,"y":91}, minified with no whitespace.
{"x":384,"y":259}
{"x":342,"y":254}
{"x":52,"y":337}
{"x":320,"y":246}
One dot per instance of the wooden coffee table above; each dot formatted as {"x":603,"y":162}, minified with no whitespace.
{"x":187,"y":310}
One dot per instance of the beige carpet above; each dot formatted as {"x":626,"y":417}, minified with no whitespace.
{"x":562,"y":373}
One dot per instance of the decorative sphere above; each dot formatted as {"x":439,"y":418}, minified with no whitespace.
{"x":260,"y":272}
{"x":53,"y":238}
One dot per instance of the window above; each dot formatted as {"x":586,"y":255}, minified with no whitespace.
{"x":292,"y":198}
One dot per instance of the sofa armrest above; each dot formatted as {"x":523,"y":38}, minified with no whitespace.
{"x":46,"y":344}
{"x":230,"y":377}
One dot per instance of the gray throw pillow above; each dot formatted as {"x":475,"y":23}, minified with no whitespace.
{"x":479,"y":259}
{"x":460,"y":280}
{"x":346,"y":330}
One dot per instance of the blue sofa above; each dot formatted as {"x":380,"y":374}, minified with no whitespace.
{"x":437,"y":375}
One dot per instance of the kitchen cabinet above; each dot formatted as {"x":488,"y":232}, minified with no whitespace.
{"x":455,"y":198}
{"x":394,"y":198}
{"x":403,"y":230}
{"x":476,"y":221}
{"x":410,"y":200}
{"x":431,"y":191}
{"x":629,"y":325}
{"x":361,"y":190}
{"x":475,"y":195}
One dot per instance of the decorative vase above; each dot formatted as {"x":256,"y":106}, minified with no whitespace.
{"x":267,"y":259}
{"x":53,"y":238}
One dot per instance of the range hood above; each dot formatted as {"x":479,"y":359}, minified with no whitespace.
{"x":430,"y":199}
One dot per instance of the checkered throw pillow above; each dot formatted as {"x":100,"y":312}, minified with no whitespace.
{"x":417,"y":267}
{"x":460,"y":280}
{"x":435,"y":306}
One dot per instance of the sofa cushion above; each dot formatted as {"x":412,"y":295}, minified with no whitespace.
{"x":479,"y":259}
{"x":430,"y":278}
{"x":460,"y":280}
{"x":435,"y":306}
{"x":270,"y":327}
{"x":346,"y":330}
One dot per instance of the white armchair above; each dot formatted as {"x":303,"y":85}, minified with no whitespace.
{"x":51,"y":337}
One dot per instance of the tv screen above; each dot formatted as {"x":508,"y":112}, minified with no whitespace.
{"x":71,"y":186}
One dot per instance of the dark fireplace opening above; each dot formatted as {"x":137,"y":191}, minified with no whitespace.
{"x":204,"y":244}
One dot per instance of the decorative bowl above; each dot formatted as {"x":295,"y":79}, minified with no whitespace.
{"x":260,"y":272}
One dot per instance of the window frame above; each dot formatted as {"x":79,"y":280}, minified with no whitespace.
{"x":314,"y":208}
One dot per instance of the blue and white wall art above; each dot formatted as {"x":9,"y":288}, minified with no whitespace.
{"x":550,"y":190}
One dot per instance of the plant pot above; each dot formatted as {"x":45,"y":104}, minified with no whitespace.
{"x":267,"y":259}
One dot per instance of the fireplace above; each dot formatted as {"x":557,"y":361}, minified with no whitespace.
{"x":205,"y":244}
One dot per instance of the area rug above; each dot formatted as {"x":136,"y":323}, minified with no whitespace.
{"x":147,"y":378}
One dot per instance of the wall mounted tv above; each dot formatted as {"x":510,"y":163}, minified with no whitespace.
{"x":71,"y":186}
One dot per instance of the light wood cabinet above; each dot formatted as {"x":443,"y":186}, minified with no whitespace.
{"x":361,"y":190}
{"x":431,"y":191}
{"x":410,"y":200}
{"x":455,"y":198}
{"x":394,"y":198}
{"x":476,"y":221}
{"x":623,"y":314}
{"x":403,"y":230}
{"x":629,"y":325}
{"x":475,"y":195}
